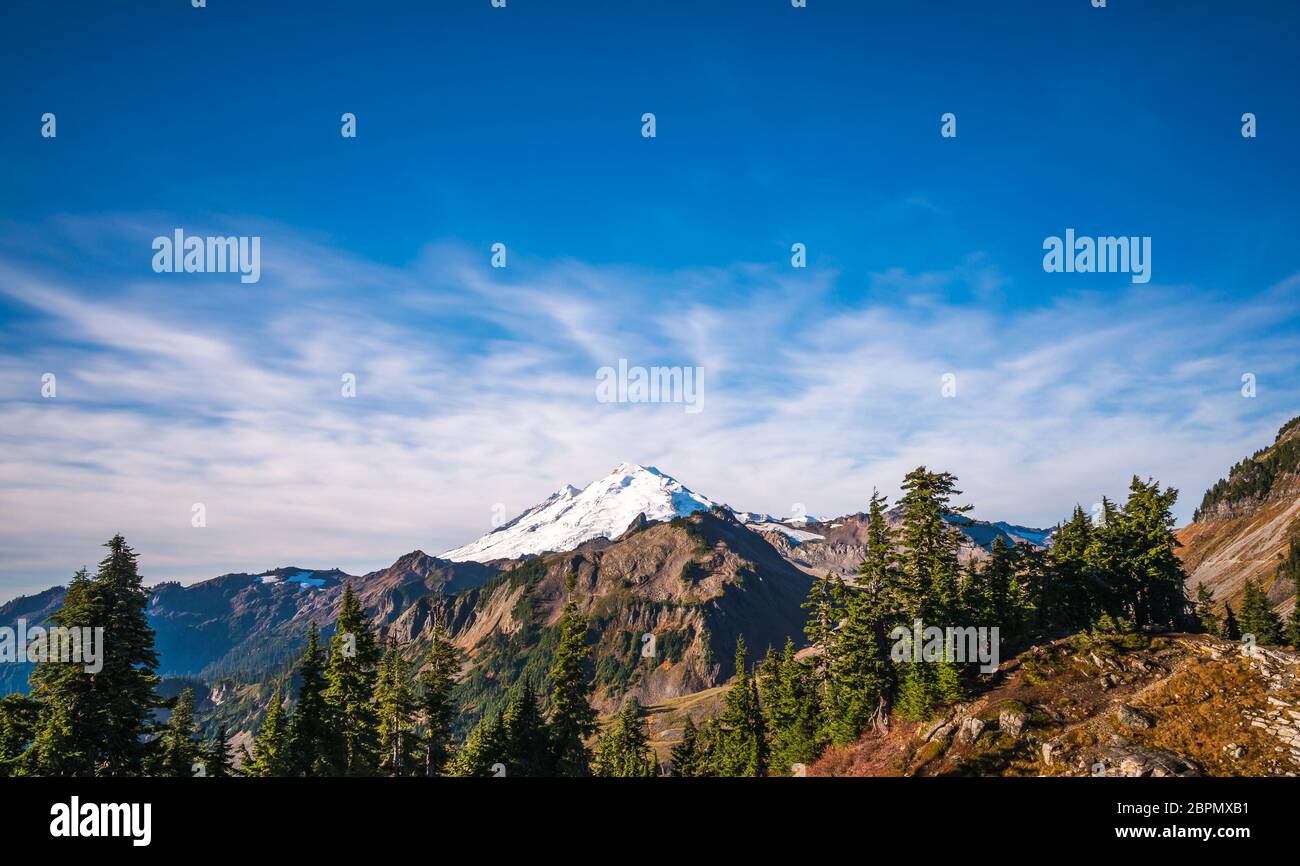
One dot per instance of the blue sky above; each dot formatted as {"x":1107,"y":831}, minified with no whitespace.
{"x":522,"y":125}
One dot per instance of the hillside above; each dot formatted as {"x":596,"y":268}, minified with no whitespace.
{"x":1246,"y":522}
{"x":695,"y":583}
{"x":1175,"y":705}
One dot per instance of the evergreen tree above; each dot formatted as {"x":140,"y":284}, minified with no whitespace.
{"x":791,"y":711}
{"x":623,"y":750}
{"x":125,"y":687}
{"x":860,"y":681}
{"x":928,"y":585}
{"x":98,"y":724}
{"x":1067,"y":592}
{"x":685,"y":758}
{"x":524,"y":733}
{"x":354,"y":654}
{"x":573,"y":719}
{"x":220,"y":755}
{"x":316,"y":749}
{"x":1231,"y":628}
{"x":825,"y":605}
{"x":68,"y":708}
{"x":483,"y":751}
{"x":1205,"y":615}
{"x":436,"y":704}
{"x":179,"y":746}
{"x":18,"y":717}
{"x":1258,"y":617}
{"x":396,"y":708}
{"x":271,"y":747}
{"x":1151,"y":571}
{"x":742,"y":747}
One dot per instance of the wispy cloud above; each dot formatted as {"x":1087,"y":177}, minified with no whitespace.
{"x":476,"y":386}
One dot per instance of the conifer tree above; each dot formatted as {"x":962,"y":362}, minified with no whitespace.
{"x":317,"y":751}
{"x":68,"y":707}
{"x":742,"y":745}
{"x":860,"y":681}
{"x":396,"y":708}
{"x":1257,"y":615}
{"x":436,"y":704}
{"x":98,"y":724}
{"x":928,"y":585}
{"x":271,"y":747}
{"x":1067,"y":594}
{"x":825,"y":605}
{"x":791,"y":711}
{"x":179,"y":748}
{"x":623,"y":750}
{"x":524,"y":734}
{"x":483,"y":751}
{"x":1151,"y":571}
{"x":18,"y":717}
{"x":572,"y":719}
{"x":220,"y":755}
{"x":354,"y":655}
{"x":685,"y":758}
{"x":125,"y":687}
{"x":1231,"y":628}
{"x":1205,"y":615}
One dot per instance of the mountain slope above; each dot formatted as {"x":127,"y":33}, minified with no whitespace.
{"x":696,"y":583}
{"x":1246,"y":522}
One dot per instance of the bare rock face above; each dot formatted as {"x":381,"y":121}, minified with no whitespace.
{"x":1135,"y":762}
{"x":970,"y":729}
{"x":1013,"y":722}
{"x":1131,"y":718}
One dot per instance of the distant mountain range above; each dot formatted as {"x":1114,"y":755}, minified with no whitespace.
{"x":647,"y":555}
{"x":245,"y":626}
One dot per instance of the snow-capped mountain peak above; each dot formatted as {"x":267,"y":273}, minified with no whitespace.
{"x":570,"y":517}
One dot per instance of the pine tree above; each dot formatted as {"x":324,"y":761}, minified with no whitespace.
{"x":859,"y":680}
{"x":100,"y":723}
{"x":524,"y":734}
{"x":573,"y":719}
{"x":317,"y":751}
{"x":396,"y":708}
{"x":1152,"y":572}
{"x":436,"y":704}
{"x":685,"y":758}
{"x":126,"y":684}
{"x":18,"y":717}
{"x":220,"y":755}
{"x":1205,"y":615}
{"x":791,"y":711}
{"x":1231,"y":628}
{"x":928,"y":585}
{"x":1258,"y":617}
{"x":825,"y":605}
{"x":68,"y":708}
{"x":1066,"y":593}
{"x":179,"y":748}
{"x":742,"y":747}
{"x":271,"y":752}
{"x":623,"y":750}
{"x":483,"y":751}
{"x":354,"y":655}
